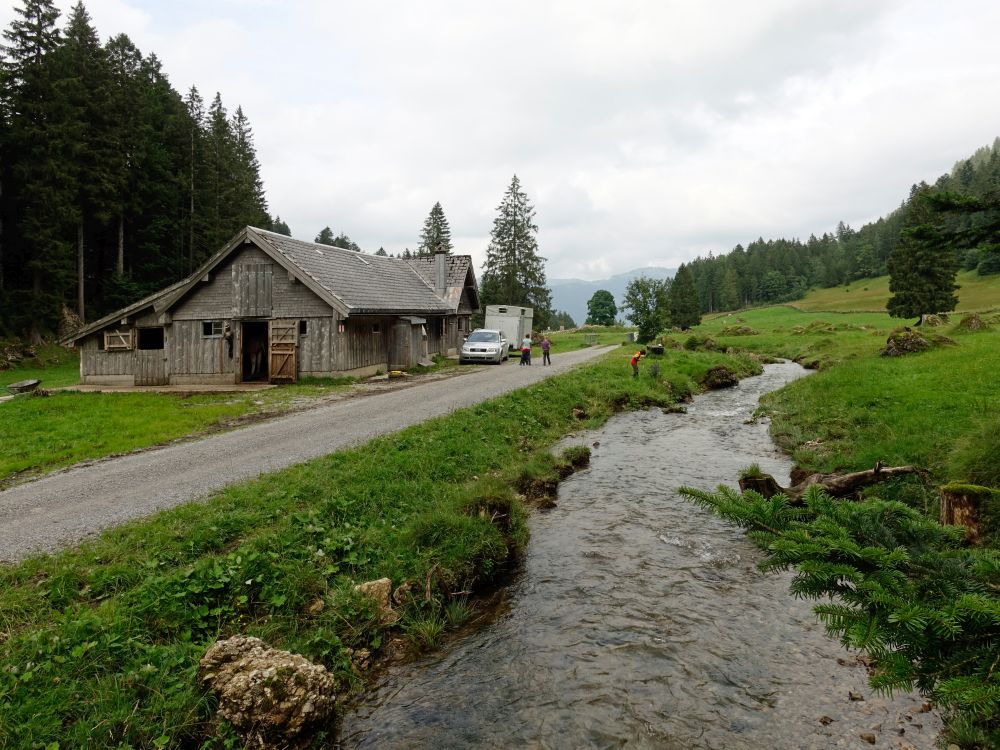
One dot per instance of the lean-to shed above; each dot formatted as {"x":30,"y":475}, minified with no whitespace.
{"x":267,"y":307}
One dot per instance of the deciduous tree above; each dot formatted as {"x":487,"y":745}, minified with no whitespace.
{"x":601,"y":308}
{"x":646,"y":303}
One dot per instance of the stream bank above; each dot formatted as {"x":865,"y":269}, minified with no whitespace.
{"x":640,"y":620}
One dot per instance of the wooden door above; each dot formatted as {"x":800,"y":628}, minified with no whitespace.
{"x":150,"y":367}
{"x":283,"y":344}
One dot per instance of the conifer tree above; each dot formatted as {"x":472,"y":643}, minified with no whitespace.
{"x":922,"y":267}
{"x":280,"y":227}
{"x":685,"y":310}
{"x":325,"y":236}
{"x":436,"y":233}
{"x":85,"y":89}
{"x":249,"y":206}
{"x":514,"y":273}
{"x":40,"y":180}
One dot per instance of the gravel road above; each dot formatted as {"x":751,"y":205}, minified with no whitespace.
{"x":64,"y":507}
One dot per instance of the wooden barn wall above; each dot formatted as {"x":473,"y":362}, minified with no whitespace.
{"x":191,"y":353}
{"x":99,"y":362}
{"x":316,"y":349}
{"x":434,"y":338}
{"x":465,"y":303}
{"x":360,"y":347}
{"x":214,"y":299}
{"x":252,"y":290}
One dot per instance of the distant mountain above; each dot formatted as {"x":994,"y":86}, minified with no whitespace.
{"x":572,"y":295}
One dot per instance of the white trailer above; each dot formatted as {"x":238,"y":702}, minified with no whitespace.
{"x":513,"y":320}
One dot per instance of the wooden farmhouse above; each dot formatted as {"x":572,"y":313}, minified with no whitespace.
{"x":267,"y":307}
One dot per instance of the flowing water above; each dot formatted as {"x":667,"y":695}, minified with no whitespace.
{"x":639,"y":620}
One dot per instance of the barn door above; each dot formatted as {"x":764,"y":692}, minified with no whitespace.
{"x":284,"y":340}
{"x":150,"y":367}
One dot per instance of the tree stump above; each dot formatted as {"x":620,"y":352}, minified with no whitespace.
{"x":968,"y":505}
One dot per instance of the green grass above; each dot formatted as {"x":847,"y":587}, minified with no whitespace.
{"x":580,"y":338}
{"x":54,"y":365}
{"x":42,"y":434}
{"x":920,"y":409}
{"x":109,"y":633}
{"x":976,"y":293}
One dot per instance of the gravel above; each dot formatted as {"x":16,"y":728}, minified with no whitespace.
{"x":67,"y":506}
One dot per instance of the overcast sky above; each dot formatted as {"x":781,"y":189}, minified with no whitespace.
{"x":644,"y":133}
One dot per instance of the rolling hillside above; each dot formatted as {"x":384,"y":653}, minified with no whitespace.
{"x":976,"y":293}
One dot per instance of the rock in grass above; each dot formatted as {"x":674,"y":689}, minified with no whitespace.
{"x":271,"y":697}
{"x":378,"y":591}
{"x":904,"y":341}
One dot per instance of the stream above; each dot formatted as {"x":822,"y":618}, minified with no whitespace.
{"x":640,"y":620}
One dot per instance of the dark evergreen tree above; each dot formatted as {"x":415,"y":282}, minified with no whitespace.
{"x":280,"y":227}
{"x":562,"y":319}
{"x":248,"y":206}
{"x":325,"y":236}
{"x":922,"y":267}
{"x":85,"y":88}
{"x":514,"y":273}
{"x":682,"y":301}
{"x":39,"y":175}
{"x":342,"y":240}
{"x":102,"y":165}
{"x":601,"y":308}
{"x":647,"y":307}
{"x":381,"y":252}
{"x":436,"y":233}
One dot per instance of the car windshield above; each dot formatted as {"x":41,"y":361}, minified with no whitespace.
{"x":490,"y":336}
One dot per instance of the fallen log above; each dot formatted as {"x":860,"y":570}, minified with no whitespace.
{"x":835,"y":485}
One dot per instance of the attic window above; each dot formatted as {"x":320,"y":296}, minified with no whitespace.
{"x":376,"y":328}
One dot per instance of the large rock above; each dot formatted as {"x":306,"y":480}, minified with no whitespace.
{"x":378,"y":591}
{"x":271,"y":697}
{"x":904,"y":341}
{"x":720,"y":376}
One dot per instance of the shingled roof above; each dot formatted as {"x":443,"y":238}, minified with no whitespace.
{"x":351,"y":282}
{"x":363,"y":283}
{"x":457,"y":269}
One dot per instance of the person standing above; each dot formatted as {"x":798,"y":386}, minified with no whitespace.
{"x":635,"y":362}
{"x":526,"y":350}
{"x":546,"y":345}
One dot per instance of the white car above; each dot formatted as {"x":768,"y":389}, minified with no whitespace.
{"x":484,"y":345}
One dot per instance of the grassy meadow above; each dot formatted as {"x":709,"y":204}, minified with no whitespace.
{"x":930,"y":409}
{"x":108,"y":634}
{"x":975,"y":294}
{"x":42,"y":434}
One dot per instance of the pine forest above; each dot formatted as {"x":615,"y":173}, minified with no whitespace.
{"x":113,"y":183}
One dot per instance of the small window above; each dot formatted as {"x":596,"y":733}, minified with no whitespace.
{"x":376,"y":328}
{"x":150,"y":338}
{"x":100,"y":343}
{"x":211,"y":328}
{"x":118,"y":341}
{"x":303,"y":327}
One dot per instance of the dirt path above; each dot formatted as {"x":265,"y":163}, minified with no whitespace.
{"x":64,"y":507}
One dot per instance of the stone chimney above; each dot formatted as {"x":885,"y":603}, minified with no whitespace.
{"x":440,"y":271}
